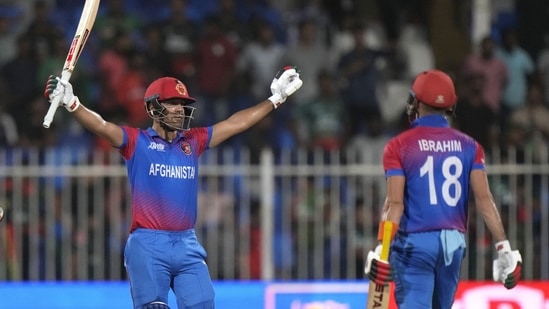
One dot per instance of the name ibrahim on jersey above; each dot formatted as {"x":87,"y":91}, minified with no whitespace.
{"x":429,"y":170}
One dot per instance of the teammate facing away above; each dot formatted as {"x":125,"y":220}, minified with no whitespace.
{"x":429,"y":170}
{"x":162,"y":250}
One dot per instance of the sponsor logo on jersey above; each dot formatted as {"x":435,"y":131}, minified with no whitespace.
{"x":157,"y":146}
{"x":186,"y":147}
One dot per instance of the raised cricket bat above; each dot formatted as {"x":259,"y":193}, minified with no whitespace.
{"x":89,"y":12}
{"x":379,"y":295}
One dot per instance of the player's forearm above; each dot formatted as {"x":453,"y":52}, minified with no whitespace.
{"x":93,"y":122}
{"x":391,"y":214}
{"x":490,"y":214}
{"x":89,"y":119}
{"x":393,"y":207}
{"x":240,"y":122}
{"x":246,"y":118}
{"x":392,"y":211}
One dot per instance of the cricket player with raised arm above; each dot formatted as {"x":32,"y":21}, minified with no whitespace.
{"x":430,"y":170}
{"x":162,"y":251}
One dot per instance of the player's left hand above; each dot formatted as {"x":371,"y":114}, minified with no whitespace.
{"x":507,"y":268}
{"x":285,"y":83}
{"x":377,"y":270}
{"x":57,"y":88}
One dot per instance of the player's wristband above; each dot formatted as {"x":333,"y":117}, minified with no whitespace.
{"x":503,"y":246}
{"x":394,"y":229}
{"x":276,"y":100}
{"x":71,"y":107}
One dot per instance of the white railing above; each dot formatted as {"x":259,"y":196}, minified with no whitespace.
{"x":295,"y":215}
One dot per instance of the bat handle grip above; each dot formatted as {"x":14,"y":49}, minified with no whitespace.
{"x":386,"y":240}
{"x":54,"y":104}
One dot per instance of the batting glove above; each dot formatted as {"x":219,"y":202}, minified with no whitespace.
{"x":285,"y":83}
{"x":377,"y":270}
{"x":507,"y":268}
{"x":58,"y":89}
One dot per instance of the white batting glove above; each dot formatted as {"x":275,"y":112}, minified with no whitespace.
{"x":507,"y":268}
{"x":377,"y":270}
{"x":285,"y":83}
{"x":58,"y":89}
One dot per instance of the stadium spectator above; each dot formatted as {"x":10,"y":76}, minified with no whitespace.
{"x":360,"y":78}
{"x":493,"y":72}
{"x":530,"y":124}
{"x":9,"y":134}
{"x":129,"y":90}
{"x":178,"y":27}
{"x":343,"y":40}
{"x":19,"y":76}
{"x":543,"y":66}
{"x":520,"y":68}
{"x":322,"y":120}
{"x":261,"y":57}
{"x":215,"y":59}
{"x":154,"y":50}
{"x":474,"y":116}
{"x":312,"y":55}
{"x":32,"y":134}
{"x":114,"y":18}
{"x":234,"y":20}
{"x":113,"y":64}
{"x":413,"y":43}
{"x":9,"y":31}
{"x":43,"y":30}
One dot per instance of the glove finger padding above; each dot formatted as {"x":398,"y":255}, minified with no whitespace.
{"x":51,"y":86}
{"x":514,"y":277}
{"x":286,"y":76}
{"x":513,"y":272}
{"x":294,"y":85}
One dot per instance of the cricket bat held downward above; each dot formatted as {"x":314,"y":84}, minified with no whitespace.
{"x":379,"y":295}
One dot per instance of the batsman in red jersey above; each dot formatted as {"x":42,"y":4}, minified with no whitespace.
{"x":430,"y":170}
{"x":162,"y":251}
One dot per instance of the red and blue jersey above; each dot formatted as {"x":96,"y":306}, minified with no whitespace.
{"x":437,"y":161}
{"x":163,"y":177}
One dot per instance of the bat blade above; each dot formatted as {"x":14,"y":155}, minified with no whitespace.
{"x":87,"y":19}
{"x":379,"y":295}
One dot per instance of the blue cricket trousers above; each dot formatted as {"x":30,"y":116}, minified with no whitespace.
{"x":426,"y":273}
{"x":159,"y":260}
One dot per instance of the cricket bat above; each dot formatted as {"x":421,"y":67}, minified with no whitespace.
{"x":378,"y":295}
{"x":89,"y":12}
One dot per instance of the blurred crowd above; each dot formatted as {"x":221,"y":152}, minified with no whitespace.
{"x":357,"y":61}
{"x":357,"y":66}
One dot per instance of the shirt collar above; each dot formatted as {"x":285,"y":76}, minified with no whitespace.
{"x":153,"y":133}
{"x":438,"y":121}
